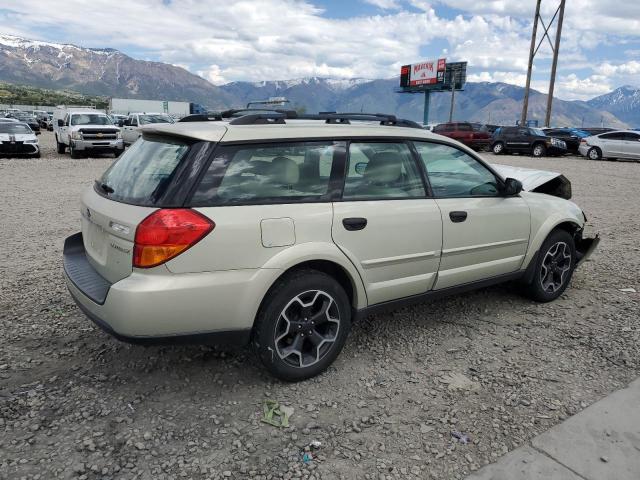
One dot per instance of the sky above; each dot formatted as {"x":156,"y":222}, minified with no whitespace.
{"x":255,"y":40}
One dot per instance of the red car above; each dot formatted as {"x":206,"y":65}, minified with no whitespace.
{"x":473,"y":135}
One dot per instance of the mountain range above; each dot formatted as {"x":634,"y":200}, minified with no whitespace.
{"x":109,"y":72}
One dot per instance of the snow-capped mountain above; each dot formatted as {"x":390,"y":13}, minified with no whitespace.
{"x":109,"y":72}
{"x":105,"y":72}
{"x":623,"y":102}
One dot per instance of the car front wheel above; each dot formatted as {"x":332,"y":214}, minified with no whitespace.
{"x":538,"y":150}
{"x":302,"y":325}
{"x":594,"y":154}
{"x":61,"y":147}
{"x":554,"y":267}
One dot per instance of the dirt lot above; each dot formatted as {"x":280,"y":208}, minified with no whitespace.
{"x":77,"y":403}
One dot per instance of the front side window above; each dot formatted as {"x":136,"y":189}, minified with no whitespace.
{"x":382,"y":171}
{"x":453,"y":173}
{"x":269,"y":173}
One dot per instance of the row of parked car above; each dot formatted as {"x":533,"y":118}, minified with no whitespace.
{"x":593,"y":143}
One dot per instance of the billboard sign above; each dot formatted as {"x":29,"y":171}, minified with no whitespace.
{"x":430,"y":72}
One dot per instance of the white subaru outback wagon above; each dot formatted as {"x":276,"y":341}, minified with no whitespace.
{"x":278,"y":232}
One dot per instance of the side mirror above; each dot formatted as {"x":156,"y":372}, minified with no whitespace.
{"x":60,"y":123}
{"x":512,"y":187}
{"x":121,"y":123}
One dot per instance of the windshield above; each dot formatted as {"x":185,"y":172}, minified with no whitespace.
{"x":538,"y":131}
{"x":14,"y":128}
{"x":90,"y":119}
{"x":142,"y":174}
{"x":146,"y":119}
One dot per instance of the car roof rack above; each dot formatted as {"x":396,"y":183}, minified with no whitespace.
{"x":264,"y":116}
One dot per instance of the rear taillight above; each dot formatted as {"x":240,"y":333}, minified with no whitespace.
{"x":167,"y":233}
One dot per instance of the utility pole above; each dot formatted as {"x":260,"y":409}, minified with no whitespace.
{"x":554,"y":65}
{"x":425,"y":113}
{"x":453,"y":94}
{"x":534,"y":33}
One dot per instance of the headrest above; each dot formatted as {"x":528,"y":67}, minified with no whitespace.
{"x":285,"y":171}
{"x":384,"y":167}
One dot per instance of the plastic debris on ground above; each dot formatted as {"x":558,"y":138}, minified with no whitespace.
{"x":461,"y":437}
{"x":308,"y":451}
{"x":276,"y":415}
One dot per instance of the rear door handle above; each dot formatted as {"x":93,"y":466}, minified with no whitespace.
{"x":354,"y":223}
{"x":457,"y":217}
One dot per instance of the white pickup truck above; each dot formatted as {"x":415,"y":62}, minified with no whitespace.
{"x":86,"y":130}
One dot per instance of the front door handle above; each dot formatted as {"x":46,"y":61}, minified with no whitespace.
{"x":354,"y":223}
{"x":457,"y":217}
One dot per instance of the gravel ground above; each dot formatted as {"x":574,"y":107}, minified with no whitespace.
{"x":75,"y":403}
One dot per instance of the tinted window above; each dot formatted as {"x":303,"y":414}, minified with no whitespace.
{"x":453,"y":173}
{"x":141,"y":175}
{"x":612,"y":136}
{"x":465,"y":127}
{"x":632,"y":137}
{"x":382,"y":170}
{"x":271,"y":172}
{"x":508,"y":130}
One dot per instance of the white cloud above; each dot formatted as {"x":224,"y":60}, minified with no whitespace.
{"x":384,"y":4}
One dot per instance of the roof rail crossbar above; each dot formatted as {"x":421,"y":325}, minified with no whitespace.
{"x":236,"y":111}
{"x":201,"y":117}
{"x":259,"y":119}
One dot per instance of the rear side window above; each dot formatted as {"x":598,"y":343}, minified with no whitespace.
{"x":143,"y":173}
{"x":268,"y":173}
{"x":612,"y":136}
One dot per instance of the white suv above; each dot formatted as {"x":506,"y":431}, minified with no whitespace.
{"x":280,"y":232}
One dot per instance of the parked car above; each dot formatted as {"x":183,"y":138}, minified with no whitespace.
{"x":611,"y":145}
{"x":49,"y":122}
{"x":9,"y":120}
{"x":117,"y":118}
{"x":131,"y":126}
{"x":27,"y":118}
{"x":596,"y":130}
{"x":16,"y":138}
{"x":526,"y":140}
{"x":571,"y":136}
{"x":281,"y":235}
{"x":86,"y":130}
{"x":472,"y":135}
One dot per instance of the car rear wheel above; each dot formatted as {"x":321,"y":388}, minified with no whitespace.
{"x":498,"y":148}
{"x":594,"y":153}
{"x":538,"y":150}
{"x":302,"y":325}
{"x":554,"y":267}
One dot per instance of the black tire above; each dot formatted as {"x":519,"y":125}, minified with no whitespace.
{"x":536,"y":290}
{"x":538,"y":150}
{"x":36,"y":155}
{"x":308,"y":284}
{"x":594,"y":153}
{"x":498,"y":148}
{"x":73,"y":152}
{"x":61,"y":147}
{"x":117,"y":152}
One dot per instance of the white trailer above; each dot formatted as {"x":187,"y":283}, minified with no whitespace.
{"x":126,"y":106}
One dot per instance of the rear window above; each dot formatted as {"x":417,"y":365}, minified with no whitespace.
{"x":269,"y":173}
{"x":143,"y":173}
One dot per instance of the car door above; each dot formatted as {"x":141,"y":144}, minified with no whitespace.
{"x":632,"y":145}
{"x":484,"y":234}
{"x":129,"y":133}
{"x":612,"y":144}
{"x":511,"y":138}
{"x":385,"y":223}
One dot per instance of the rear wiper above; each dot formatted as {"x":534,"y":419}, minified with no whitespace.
{"x":106,"y":188}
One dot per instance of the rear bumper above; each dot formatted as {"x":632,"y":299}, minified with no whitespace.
{"x":157,"y":307}
{"x":111,"y":145}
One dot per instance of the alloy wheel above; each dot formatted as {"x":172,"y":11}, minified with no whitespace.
{"x":593,"y":154}
{"x":307,"y":328}
{"x":538,"y":151}
{"x":555,"y":266}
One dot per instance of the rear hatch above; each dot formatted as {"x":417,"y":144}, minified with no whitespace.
{"x":146,"y":177}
